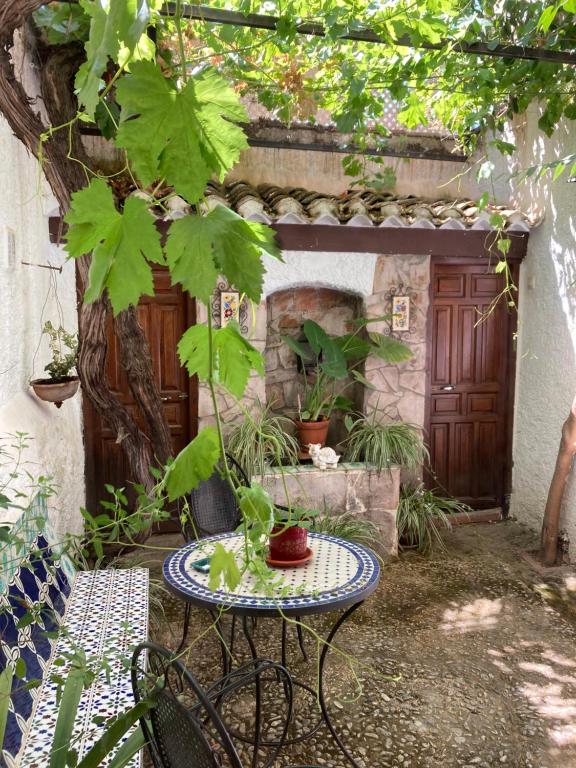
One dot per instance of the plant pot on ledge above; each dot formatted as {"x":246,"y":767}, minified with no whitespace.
{"x":55,"y":390}
{"x":312,"y":432}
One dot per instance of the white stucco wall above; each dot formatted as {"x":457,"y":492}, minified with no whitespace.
{"x":27,"y":300}
{"x":546,"y":360}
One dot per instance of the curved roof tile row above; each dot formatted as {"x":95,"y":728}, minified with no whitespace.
{"x":271,"y":204}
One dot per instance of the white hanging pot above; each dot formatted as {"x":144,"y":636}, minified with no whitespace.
{"x":55,"y":390}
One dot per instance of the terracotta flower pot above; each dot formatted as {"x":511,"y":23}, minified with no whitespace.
{"x":312,"y":432}
{"x":55,"y":390}
{"x":290,"y":544}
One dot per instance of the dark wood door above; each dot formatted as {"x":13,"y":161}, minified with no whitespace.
{"x":164,"y":318}
{"x":470,"y":383}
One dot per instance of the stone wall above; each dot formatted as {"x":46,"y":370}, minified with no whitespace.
{"x":399,"y":390}
{"x":350,"y":488}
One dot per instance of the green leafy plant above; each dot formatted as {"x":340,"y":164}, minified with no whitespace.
{"x":384,"y":444}
{"x":332,"y":359}
{"x":64,"y":349}
{"x":422,"y":515}
{"x":261,"y":440}
{"x":347,"y":526}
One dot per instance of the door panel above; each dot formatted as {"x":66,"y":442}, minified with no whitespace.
{"x":469,"y":383}
{"x":163,"y":318}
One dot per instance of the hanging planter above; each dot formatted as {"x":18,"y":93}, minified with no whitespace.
{"x":61,"y":385}
{"x":55,"y":390}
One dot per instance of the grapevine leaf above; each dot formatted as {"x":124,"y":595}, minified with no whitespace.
{"x":193,"y":464}
{"x":256,"y":505}
{"x":190,"y":258}
{"x":200,"y":247}
{"x":194,"y":353}
{"x":233,"y":356}
{"x":223,"y":566}
{"x":167,"y":131}
{"x":120,"y":243}
{"x":115,"y":27}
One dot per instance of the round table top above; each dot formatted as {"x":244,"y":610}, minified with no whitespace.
{"x":340,"y":574}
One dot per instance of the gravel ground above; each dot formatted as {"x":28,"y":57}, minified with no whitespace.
{"x":465,"y":659}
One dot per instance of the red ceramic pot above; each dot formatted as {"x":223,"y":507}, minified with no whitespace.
{"x":290,"y":544}
{"x":312,"y":432}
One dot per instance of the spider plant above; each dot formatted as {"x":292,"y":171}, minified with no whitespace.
{"x":347,"y":526}
{"x":261,"y":440}
{"x":384,"y":445}
{"x":421,"y":515}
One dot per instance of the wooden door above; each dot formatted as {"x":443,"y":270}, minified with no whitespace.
{"x":470,"y":384}
{"x":164,"y":318}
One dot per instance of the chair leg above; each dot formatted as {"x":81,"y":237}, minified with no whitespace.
{"x":187,"y":612}
{"x":301,"y":639}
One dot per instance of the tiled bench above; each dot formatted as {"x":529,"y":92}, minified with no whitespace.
{"x":105,"y":613}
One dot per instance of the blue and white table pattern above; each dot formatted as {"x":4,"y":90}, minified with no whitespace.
{"x":339,"y":577}
{"x":340,"y":573}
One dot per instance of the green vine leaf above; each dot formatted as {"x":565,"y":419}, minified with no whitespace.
{"x":184,"y":135}
{"x":233,"y":357}
{"x":201,"y":247}
{"x":193,"y":464}
{"x":223,"y":567}
{"x":117,"y":32}
{"x":121,"y":244}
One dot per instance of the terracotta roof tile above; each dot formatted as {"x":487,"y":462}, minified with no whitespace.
{"x":269,"y":203}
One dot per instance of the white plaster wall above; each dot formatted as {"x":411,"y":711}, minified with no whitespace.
{"x":546,"y":360}
{"x":350,"y":272}
{"x":27,"y":299}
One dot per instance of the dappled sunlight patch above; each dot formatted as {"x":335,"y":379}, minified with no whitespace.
{"x":480,"y":614}
{"x":547,"y":671}
{"x":549,"y":701}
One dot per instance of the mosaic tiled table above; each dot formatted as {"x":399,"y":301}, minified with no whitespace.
{"x":340,"y":575}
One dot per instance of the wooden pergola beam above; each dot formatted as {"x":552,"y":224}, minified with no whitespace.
{"x":262,"y":21}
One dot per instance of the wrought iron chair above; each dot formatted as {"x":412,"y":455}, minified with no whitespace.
{"x":183,"y":727}
{"x":213,"y":506}
{"x":214,"y":510}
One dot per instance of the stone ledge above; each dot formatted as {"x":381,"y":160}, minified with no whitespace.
{"x":354,"y":488}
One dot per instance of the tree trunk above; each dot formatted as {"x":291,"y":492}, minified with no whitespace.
{"x":551,"y":522}
{"x":65,"y":164}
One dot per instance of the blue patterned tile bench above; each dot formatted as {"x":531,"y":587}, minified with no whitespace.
{"x":105,"y":613}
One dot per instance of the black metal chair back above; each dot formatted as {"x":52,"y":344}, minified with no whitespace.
{"x":182,"y":728}
{"x":213,"y":504}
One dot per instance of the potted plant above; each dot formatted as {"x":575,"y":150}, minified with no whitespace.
{"x":260,"y":440}
{"x":288,"y":542}
{"x":384,"y":445}
{"x":61,"y":385}
{"x":420,"y":516}
{"x":326,"y":360}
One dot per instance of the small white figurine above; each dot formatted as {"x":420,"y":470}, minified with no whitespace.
{"x":323,"y":458}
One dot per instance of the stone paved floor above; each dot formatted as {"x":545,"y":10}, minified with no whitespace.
{"x":465,"y":660}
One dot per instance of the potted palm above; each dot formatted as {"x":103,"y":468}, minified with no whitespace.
{"x":61,"y":384}
{"x":327,"y":360}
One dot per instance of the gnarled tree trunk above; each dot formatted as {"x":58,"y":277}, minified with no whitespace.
{"x":64,"y":164}
{"x":564,"y":460}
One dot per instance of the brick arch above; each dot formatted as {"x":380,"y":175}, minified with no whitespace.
{"x":286,"y":311}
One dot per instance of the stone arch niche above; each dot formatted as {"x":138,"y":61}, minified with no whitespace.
{"x":286,"y":311}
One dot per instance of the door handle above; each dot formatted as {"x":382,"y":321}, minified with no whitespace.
{"x":447,"y":388}
{"x":180,"y":396}
{"x":183,"y":396}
